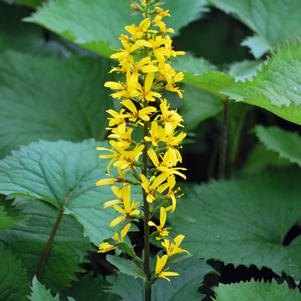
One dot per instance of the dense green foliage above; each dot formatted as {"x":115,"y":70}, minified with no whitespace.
{"x":243,"y":151}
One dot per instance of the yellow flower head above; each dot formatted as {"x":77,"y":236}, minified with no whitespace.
{"x":173,"y":247}
{"x":161,"y":271}
{"x":162,"y":231}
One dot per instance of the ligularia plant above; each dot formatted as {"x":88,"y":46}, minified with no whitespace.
{"x":145,"y":138}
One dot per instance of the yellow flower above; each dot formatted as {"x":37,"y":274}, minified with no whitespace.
{"x":138,"y":32}
{"x":173,"y":247}
{"x":128,"y":210}
{"x":160,"y":271}
{"x":158,"y":21}
{"x":105,"y":247}
{"x":171,"y":194}
{"x":135,"y":114}
{"x":157,"y":134}
{"x":120,"y":238}
{"x":118,"y":118}
{"x":171,"y":84}
{"x":128,"y":89}
{"x":119,"y":192}
{"x":150,"y":187}
{"x":170,"y":118}
{"x":162,"y":231}
{"x":167,"y":164}
{"x":145,"y":92}
{"x":128,"y":48}
{"x":128,"y":159}
{"x":123,"y":135}
{"x":162,"y":12}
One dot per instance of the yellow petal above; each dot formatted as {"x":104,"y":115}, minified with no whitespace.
{"x":125,"y":230}
{"x":106,"y":182}
{"x":111,"y":203}
{"x":117,"y":221}
{"x":162,"y":217}
{"x":129,"y":105}
{"x":153,"y":156}
{"x":149,"y":82}
{"x":160,"y":264}
{"x":114,"y":85}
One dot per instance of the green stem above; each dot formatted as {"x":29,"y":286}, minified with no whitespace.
{"x":224,"y":141}
{"x":46,"y":251}
{"x":148,"y":288}
{"x":235,"y":142}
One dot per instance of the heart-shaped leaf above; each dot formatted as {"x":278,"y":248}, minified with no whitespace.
{"x":286,"y":144}
{"x":251,"y":291}
{"x":64,"y":175}
{"x":244,"y":221}
{"x":28,"y":242}
{"x":274,"y":22}
{"x":72,"y":109}
{"x":96,"y":25}
{"x":14,"y":283}
{"x":185,"y":287}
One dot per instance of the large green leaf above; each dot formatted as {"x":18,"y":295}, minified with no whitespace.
{"x":50,"y":98}
{"x":201,"y":74}
{"x":286,"y":144}
{"x":96,"y":25}
{"x":244,"y":221}
{"x":198,"y":105}
{"x":14,"y":283}
{"x":28,"y":242}
{"x":39,"y":292}
{"x":276,"y":87}
{"x":30,"y":3}
{"x":260,"y":158}
{"x":62,"y":174}
{"x":185,"y":287}
{"x":251,"y":291}
{"x":6,"y":221}
{"x":274,"y":22}
{"x":15,"y":34}
{"x":90,"y":288}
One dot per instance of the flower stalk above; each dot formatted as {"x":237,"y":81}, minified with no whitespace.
{"x":151,"y":160}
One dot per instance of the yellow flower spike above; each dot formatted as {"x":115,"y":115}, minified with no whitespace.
{"x":173,"y":247}
{"x":160,"y":271}
{"x":162,"y":231}
{"x":144,"y":63}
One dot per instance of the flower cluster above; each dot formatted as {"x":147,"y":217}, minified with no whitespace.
{"x":145,"y":133}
